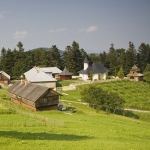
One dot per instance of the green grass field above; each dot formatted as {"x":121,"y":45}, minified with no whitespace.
{"x":136,"y":94}
{"x":84,"y":130}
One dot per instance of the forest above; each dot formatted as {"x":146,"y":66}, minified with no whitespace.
{"x":17,"y":61}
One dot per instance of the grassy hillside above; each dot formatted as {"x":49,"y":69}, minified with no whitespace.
{"x":136,"y":94}
{"x":85,"y":129}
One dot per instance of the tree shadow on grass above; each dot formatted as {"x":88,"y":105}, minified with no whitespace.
{"x":127,"y":113}
{"x":42,"y":136}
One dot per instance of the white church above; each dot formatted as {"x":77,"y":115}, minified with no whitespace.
{"x":98,"y":70}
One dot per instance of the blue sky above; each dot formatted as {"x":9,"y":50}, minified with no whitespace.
{"x":94,"y":24}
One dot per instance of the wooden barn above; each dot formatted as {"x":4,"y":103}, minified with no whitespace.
{"x":135,"y":74}
{"x":4,"y":78}
{"x":65,"y":74}
{"x":33,"y":96}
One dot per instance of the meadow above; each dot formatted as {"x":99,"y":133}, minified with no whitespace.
{"x":84,"y":129}
{"x":136,"y":94}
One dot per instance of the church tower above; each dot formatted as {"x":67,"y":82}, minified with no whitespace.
{"x":86,"y":63}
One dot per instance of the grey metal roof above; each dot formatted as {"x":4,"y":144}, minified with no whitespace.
{"x":5,"y":74}
{"x":96,"y":67}
{"x":86,"y":60}
{"x":30,"y":91}
{"x":65,"y":72}
{"x":37,"y":75}
{"x":54,"y":70}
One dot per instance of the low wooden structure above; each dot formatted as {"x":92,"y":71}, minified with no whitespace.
{"x":33,"y":96}
{"x":135,"y":74}
{"x":4,"y":78}
{"x":65,"y":74}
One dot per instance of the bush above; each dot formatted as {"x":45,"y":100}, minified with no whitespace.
{"x":100,"y":99}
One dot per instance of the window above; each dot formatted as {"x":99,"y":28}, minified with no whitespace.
{"x":45,"y":100}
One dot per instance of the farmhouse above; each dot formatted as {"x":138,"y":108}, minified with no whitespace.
{"x":98,"y":70}
{"x":43,"y":76}
{"x":4,"y":78}
{"x":33,"y":96}
{"x":54,"y":71}
{"x":65,"y":74}
{"x":135,"y":74}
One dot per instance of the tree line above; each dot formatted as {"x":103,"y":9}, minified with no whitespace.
{"x":17,"y":61}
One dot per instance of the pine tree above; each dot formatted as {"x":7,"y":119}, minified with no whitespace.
{"x":131,"y":57}
{"x":73,"y":58}
{"x":121,"y":73}
{"x":54,"y":57}
{"x":112,"y":59}
{"x":143,"y":55}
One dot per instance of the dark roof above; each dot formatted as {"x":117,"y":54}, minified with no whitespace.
{"x":65,"y":72}
{"x":86,"y":60}
{"x":30,"y":91}
{"x":135,"y":68}
{"x":96,"y":67}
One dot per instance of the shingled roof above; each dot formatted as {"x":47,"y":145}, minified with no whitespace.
{"x":29,"y":91}
{"x":65,"y":72}
{"x":135,"y":68}
{"x":96,"y":67}
{"x":5,"y":74}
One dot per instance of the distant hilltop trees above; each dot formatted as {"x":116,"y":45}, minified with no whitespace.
{"x":17,"y":61}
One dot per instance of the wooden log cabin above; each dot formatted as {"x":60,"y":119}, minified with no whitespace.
{"x":4,"y":78}
{"x":135,"y":74}
{"x":33,"y":96}
{"x":65,"y":74}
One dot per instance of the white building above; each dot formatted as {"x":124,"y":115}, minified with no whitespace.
{"x":43,"y":76}
{"x":98,"y":70}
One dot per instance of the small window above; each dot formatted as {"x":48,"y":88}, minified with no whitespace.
{"x":45,"y":100}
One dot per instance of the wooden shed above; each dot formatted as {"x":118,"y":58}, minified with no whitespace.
{"x":4,"y":78}
{"x":135,"y":74}
{"x":33,"y":96}
{"x":65,"y":74}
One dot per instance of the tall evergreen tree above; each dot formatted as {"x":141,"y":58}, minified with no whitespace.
{"x":20,"y":47}
{"x":54,"y":57}
{"x":104,"y":59}
{"x":3,"y":52}
{"x":121,"y":59}
{"x":143,"y":55}
{"x":131,"y":57}
{"x":112,"y":58}
{"x":8,"y":62}
{"x":73,"y":58}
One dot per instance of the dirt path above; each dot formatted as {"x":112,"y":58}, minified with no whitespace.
{"x":144,"y":111}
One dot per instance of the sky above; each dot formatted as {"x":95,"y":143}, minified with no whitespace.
{"x":94,"y":24}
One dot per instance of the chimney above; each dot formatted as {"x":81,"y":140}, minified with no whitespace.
{"x":37,"y":69}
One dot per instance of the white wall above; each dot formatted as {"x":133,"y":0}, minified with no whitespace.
{"x":86,"y":66}
{"x":102,"y":76}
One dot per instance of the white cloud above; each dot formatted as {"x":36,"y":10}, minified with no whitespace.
{"x":92,"y":29}
{"x":57,"y":30}
{"x":18,"y":34}
{"x":89,"y":30}
{"x":2,"y":14}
